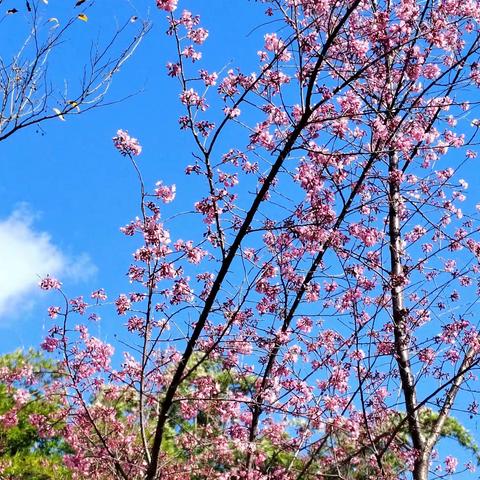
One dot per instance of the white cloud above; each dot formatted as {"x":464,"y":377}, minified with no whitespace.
{"x":26,"y":255}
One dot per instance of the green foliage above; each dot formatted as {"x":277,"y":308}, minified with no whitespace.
{"x":452,"y":429}
{"x":25,"y":454}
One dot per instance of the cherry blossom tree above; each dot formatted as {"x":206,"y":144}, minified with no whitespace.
{"x":320,"y":320}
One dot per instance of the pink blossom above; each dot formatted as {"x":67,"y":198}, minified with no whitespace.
{"x":21,"y":396}
{"x":78,"y":305}
{"x":357,"y":355}
{"x":99,"y":295}
{"x":174,"y":69}
{"x":262,"y":137}
{"x":231,"y":112}
{"x":277,"y":46}
{"x":49,"y":344}
{"x":190,"y":52}
{"x":431,"y":71}
{"x":305,"y":324}
{"x":167,"y":5}
{"x":427,"y":355}
{"x":188,"y":20}
{"x":198,"y":36}
{"x":135,"y":323}
{"x":470,"y":467}
{"x":181,"y":291}
{"x":191,"y":98}
{"x":9,"y":419}
{"x":165,"y":193}
{"x":125,"y":144}
{"x":53,"y":311}
{"x":209,"y":79}
{"x":450,"y":464}
{"x":194,"y":254}
{"x":50,"y":283}
{"x":123,"y":304}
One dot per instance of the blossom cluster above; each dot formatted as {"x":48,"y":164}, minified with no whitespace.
{"x":125,"y":144}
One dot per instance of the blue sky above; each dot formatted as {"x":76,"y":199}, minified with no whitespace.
{"x":65,"y":191}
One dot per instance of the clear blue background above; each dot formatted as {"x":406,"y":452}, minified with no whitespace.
{"x":70,"y":174}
